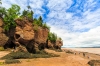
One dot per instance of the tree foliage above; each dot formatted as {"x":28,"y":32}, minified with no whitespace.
{"x":52,"y":37}
{"x":0,"y":2}
{"x":45,"y":26}
{"x":10,"y":15}
{"x":2,"y":12}
{"x":28,"y":13}
{"x":39,"y":22}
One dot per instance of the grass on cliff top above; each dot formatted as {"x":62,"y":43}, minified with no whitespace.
{"x":27,"y":55}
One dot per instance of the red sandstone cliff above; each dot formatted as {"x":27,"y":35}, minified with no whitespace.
{"x":3,"y":37}
{"x":26,"y":36}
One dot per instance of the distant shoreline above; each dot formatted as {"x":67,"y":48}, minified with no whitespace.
{"x":80,"y":47}
{"x":89,"y":50}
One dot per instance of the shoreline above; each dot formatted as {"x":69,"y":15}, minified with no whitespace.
{"x":88,"y":50}
{"x":91,"y":53}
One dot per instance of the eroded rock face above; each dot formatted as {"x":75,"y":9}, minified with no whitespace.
{"x":1,"y":22}
{"x":54,"y":45}
{"x":24,"y":32}
{"x":50,"y":44}
{"x":41,"y":35}
{"x":3,"y":37}
{"x":58,"y":44}
{"x":26,"y":35}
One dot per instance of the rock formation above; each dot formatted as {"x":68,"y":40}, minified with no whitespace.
{"x":3,"y":37}
{"x":50,"y":44}
{"x":25,"y":33}
{"x":58,"y":44}
{"x":28,"y":37}
{"x":54,"y":45}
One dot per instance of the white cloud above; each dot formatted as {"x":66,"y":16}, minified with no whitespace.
{"x":21,"y":3}
{"x":89,"y":20}
{"x":59,"y":5}
{"x":36,"y":4}
{"x":85,"y":39}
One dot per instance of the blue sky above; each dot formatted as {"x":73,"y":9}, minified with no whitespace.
{"x":77,"y":22}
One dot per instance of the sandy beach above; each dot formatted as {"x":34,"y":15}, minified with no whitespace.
{"x":65,"y":59}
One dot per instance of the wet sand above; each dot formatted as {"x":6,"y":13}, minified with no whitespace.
{"x":90,"y":53}
{"x":89,"y":50}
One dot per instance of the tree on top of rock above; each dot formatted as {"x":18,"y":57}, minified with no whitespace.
{"x":52,"y":37}
{"x":38,"y":21}
{"x":10,"y":15}
{"x":28,"y":13}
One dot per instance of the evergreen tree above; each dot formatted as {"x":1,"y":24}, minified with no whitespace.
{"x":44,"y":25}
{"x":40,"y":21}
{"x":29,"y":7}
{"x":52,"y":37}
{"x":28,"y":13}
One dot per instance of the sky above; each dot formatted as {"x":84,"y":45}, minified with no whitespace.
{"x":77,"y":22}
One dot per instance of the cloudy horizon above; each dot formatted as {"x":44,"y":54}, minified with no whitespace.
{"x":77,"y":22}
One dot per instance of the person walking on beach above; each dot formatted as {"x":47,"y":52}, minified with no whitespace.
{"x":79,"y":53}
{"x":88,"y":57}
{"x":84,"y":54}
{"x":75,"y":53}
